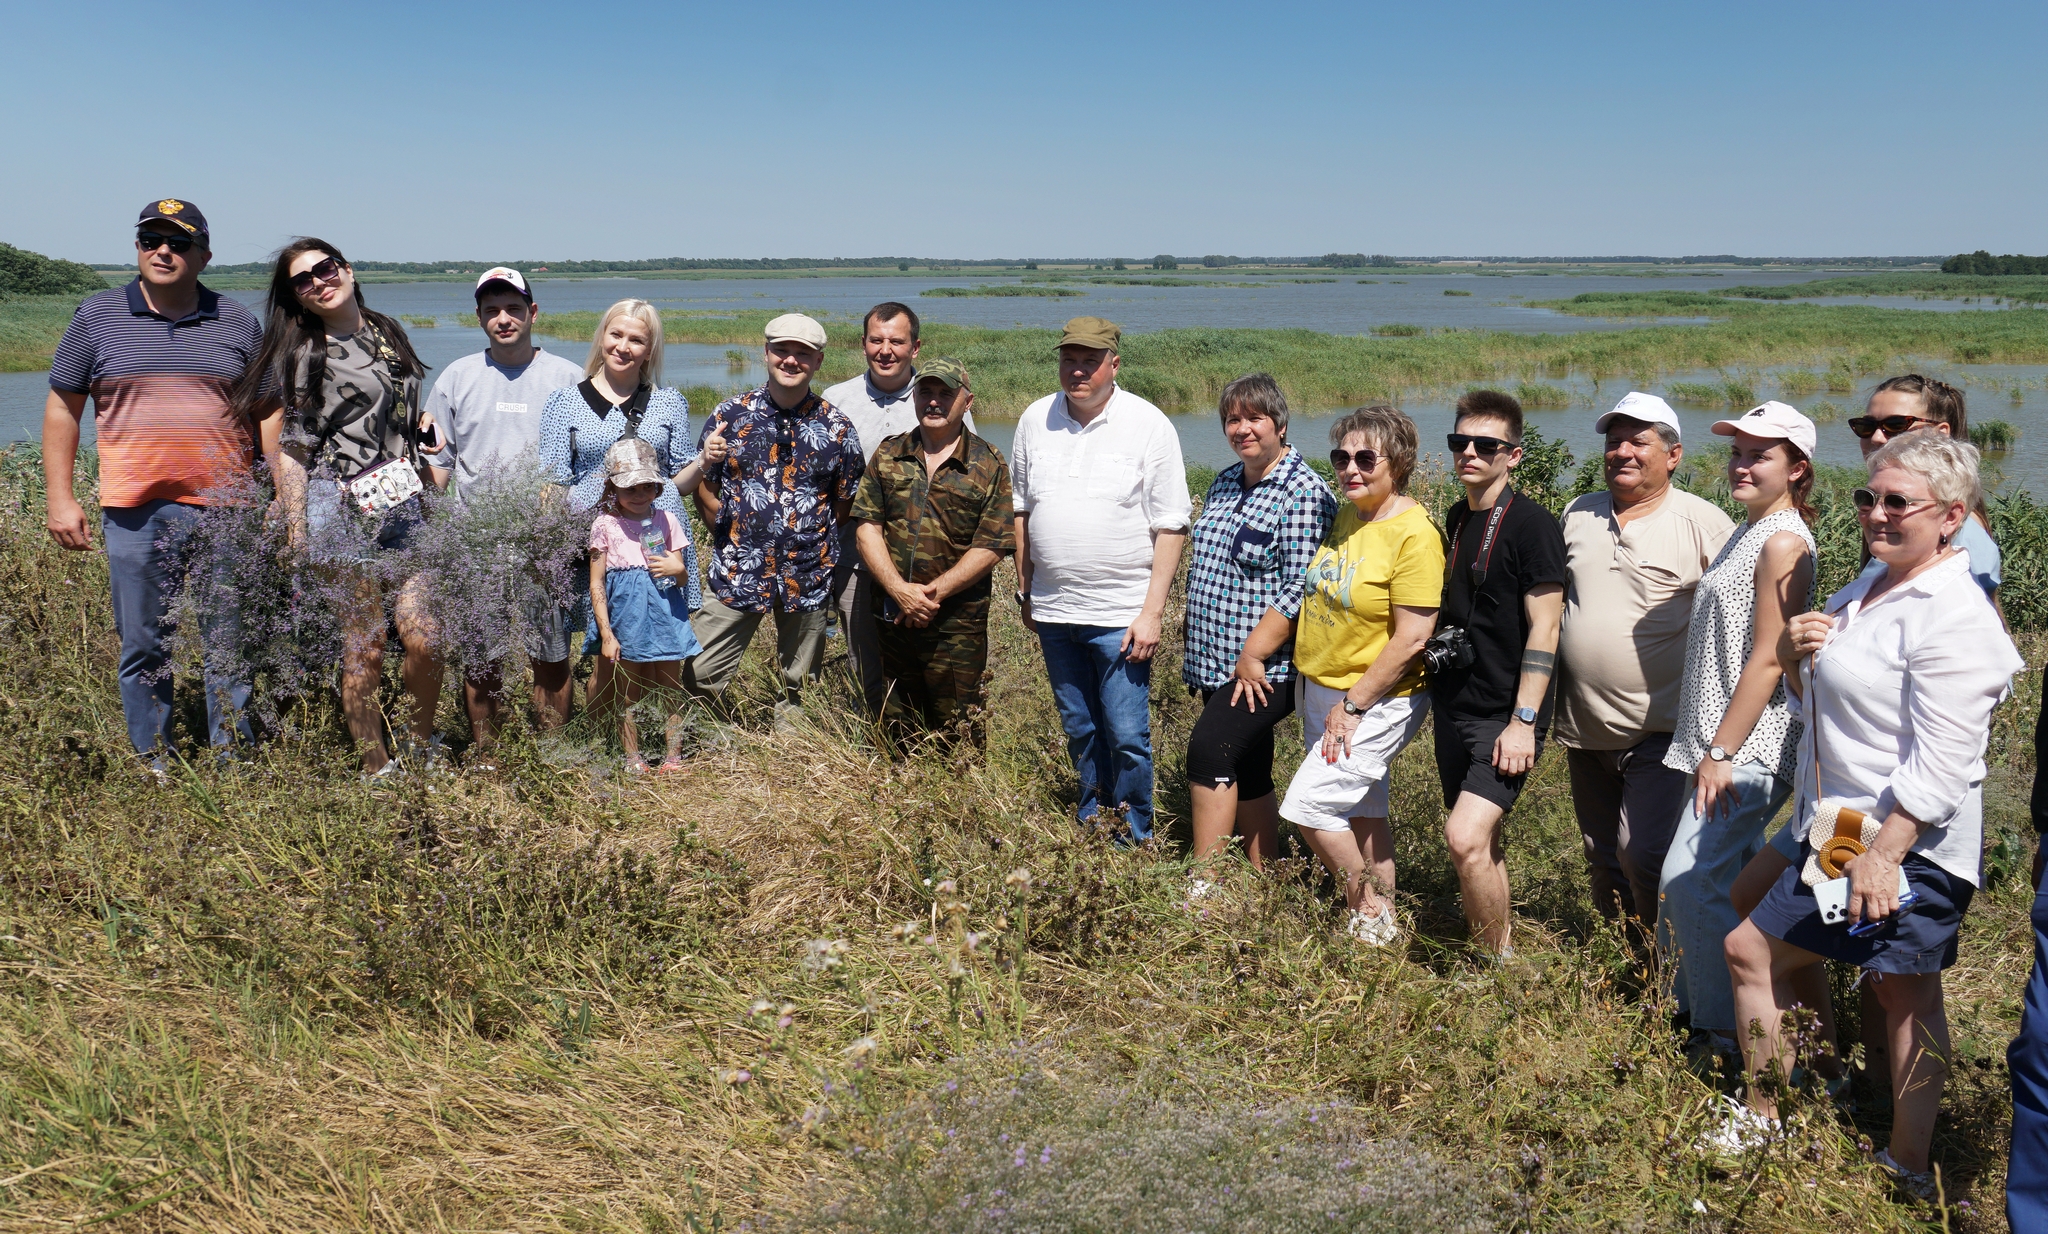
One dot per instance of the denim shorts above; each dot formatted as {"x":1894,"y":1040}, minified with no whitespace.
{"x":338,"y":532}
{"x":1921,"y":939}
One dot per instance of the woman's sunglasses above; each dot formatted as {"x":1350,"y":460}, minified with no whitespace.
{"x":1487,"y":446}
{"x":324,"y":272}
{"x":148,"y":241}
{"x":1367,"y":460}
{"x":1895,"y":505}
{"x":1867,"y":426}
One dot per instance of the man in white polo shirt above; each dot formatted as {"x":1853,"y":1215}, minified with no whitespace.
{"x":881,"y":405}
{"x":1634,"y":555}
{"x":489,"y":404}
{"x":1102,"y":512}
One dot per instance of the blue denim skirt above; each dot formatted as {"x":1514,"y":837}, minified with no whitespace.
{"x":651,"y":622}
{"x":1920,"y":940}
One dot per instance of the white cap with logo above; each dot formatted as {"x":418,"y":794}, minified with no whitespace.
{"x":1773,"y":419}
{"x":1635,"y":405}
{"x":506,"y":275}
{"x":796,"y":328}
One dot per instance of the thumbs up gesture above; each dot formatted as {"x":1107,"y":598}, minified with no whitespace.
{"x":716,"y":450}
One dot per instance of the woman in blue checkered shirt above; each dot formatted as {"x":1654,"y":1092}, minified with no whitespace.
{"x":1259,"y":528}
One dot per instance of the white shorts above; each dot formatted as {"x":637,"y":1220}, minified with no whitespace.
{"x":1326,"y":796}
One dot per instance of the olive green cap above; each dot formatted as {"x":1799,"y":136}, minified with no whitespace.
{"x":944,"y":368}
{"x":1091,"y":332}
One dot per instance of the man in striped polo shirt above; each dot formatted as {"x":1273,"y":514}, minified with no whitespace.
{"x":160,"y":358}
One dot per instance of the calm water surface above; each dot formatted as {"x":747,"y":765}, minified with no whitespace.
{"x":1347,"y":306}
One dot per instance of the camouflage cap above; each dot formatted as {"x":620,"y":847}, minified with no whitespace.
{"x":944,"y":368}
{"x":632,"y":462}
{"x":1091,"y":332}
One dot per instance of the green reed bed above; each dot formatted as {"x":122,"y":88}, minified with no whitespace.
{"x":808,"y":986}
{"x":1186,"y":368}
{"x":2018,"y":289}
{"x":30,"y":327}
{"x":1006,"y":289}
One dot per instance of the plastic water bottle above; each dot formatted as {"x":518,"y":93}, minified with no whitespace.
{"x":653,"y":543}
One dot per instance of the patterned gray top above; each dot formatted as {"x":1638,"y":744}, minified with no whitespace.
{"x":1719,"y":643}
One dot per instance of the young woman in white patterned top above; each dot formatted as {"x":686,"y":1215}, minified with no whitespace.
{"x":1736,"y":738}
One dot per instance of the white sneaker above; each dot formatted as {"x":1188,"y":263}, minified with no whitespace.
{"x":1742,"y":1130}
{"x":1373,"y":929}
{"x":1921,"y":1184}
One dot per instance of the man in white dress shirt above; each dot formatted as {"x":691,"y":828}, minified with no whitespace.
{"x":1102,"y":512}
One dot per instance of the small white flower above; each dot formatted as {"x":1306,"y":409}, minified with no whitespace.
{"x":1019,"y":879}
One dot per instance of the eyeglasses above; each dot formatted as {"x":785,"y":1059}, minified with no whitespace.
{"x":148,"y":241}
{"x":326,"y":272}
{"x":1487,"y":446}
{"x":1896,"y":505}
{"x":1867,"y":426}
{"x":1367,"y":460}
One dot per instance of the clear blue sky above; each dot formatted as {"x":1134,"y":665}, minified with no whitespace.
{"x":427,"y":130}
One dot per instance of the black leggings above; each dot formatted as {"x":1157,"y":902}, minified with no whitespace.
{"x":1233,"y":746}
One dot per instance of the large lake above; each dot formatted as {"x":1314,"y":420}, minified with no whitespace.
{"x":1345,"y":306}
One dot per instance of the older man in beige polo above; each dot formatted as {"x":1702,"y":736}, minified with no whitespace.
{"x":1635,"y":554}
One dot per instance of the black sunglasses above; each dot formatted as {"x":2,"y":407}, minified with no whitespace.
{"x":1895,"y":504}
{"x":1367,"y":460}
{"x":1867,"y":426}
{"x":302,"y":282}
{"x":148,"y":241}
{"x":1487,"y":446}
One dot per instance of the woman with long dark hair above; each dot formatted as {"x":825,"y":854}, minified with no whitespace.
{"x":352,"y":456}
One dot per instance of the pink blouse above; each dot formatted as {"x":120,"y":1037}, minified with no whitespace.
{"x":626,"y":542}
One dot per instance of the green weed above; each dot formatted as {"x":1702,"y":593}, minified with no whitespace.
{"x":1993,"y":435}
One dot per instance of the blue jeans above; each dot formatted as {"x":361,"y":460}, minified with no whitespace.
{"x":2026,"y":1175}
{"x":1699,"y":870}
{"x":141,"y":542}
{"x":1105,"y":702}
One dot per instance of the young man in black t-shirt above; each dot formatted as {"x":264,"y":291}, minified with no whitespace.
{"x":1504,"y":579}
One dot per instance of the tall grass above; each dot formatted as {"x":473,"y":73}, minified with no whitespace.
{"x":30,"y":327}
{"x":266,"y":997}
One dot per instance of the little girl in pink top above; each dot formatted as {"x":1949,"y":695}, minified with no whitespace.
{"x":640,"y":622}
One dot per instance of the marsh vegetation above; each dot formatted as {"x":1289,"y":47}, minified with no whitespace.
{"x":809,"y":986}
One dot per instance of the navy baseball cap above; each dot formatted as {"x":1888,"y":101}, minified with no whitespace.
{"x":182,"y":215}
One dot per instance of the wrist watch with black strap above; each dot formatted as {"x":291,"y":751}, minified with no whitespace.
{"x":1352,"y":709}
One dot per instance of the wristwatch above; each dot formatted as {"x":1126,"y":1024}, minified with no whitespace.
{"x":1350,"y":709}
{"x":1023,"y":597}
{"x":1718,"y":755}
{"x":1526,"y":715}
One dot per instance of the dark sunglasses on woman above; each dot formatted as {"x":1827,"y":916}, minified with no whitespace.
{"x":1487,"y":446}
{"x":1366,"y":459}
{"x":148,"y":241}
{"x":1895,"y":504}
{"x":1865,"y":426}
{"x":302,"y":282}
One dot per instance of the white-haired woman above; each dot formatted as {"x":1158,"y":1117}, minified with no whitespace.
{"x":1896,"y":679}
{"x":621,"y":396}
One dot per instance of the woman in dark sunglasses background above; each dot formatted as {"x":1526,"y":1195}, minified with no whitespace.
{"x":1911,"y":403}
{"x":349,"y":381}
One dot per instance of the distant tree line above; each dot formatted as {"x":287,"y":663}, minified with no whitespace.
{"x":1981,"y":262}
{"x":23,"y":273}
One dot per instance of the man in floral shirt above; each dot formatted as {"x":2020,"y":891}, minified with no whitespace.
{"x":774,"y":508}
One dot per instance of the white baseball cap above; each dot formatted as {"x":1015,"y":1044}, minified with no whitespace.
{"x":1635,"y":405}
{"x":506,"y":275}
{"x":796,"y":328}
{"x":1773,"y":419}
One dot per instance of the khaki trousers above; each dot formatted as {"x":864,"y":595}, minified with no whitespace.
{"x":726,"y":632}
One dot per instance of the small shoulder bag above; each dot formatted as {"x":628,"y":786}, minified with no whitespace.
{"x":393,"y":481}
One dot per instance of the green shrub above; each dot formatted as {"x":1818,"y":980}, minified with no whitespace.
{"x":1539,"y":397}
{"x":1993,"y":435}
{"x":1398,"y":329}
{"x":1452,"y":291}
{"x":1797,"y":383}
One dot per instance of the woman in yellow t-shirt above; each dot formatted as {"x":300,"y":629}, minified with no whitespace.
{"x":1373,"y":590}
